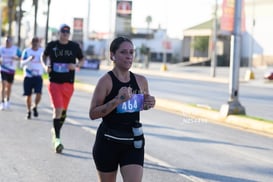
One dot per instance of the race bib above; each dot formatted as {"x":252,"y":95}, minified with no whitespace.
{"x":7,"y":64}
{"x":60,"y":67}
{"x":134,"y":104}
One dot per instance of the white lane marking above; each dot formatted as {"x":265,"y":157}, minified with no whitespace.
{"x":172,"y":168}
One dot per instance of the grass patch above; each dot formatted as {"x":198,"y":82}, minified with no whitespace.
{"x":244,"y":116}
{"x":21,"y":73}
{"x":45,"y":75}
{"x":257,"y":118}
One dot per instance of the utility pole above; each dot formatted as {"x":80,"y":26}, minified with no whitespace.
{"x":47,"y":21}
{"x":35,"y":3}
{"x":214,"y":42}
{"x":233,"y":106}
{"x":86,"y":37}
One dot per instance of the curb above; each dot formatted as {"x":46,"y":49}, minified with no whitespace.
{"x":201,"y":113}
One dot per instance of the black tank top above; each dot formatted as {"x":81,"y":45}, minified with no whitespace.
{"x":121,"y":120}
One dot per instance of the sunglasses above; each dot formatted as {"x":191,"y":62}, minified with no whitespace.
{"x":65,"y":31}
{"x":9,"y":40}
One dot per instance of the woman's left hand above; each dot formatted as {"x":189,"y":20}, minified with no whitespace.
{"x":149,"y":102}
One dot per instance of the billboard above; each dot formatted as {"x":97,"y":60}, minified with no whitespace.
{"x":78,"y":30}
{"x":227,"y":19}
{"x":123,"y":18}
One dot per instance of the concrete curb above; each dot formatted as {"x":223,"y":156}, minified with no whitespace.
{"x":205,"y":114}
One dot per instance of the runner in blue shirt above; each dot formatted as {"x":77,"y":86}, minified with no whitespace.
{"x":33,"y":71}
{"x":9,"y":56}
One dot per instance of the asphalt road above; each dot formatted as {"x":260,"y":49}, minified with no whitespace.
{"x":197,"y":88}
{"x":178,"y":148}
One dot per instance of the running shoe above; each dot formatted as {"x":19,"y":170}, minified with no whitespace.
{"x":28,"y":116}
{"x":58,"y":146}
{"x":35,"y":112}
{"x":7,"y":105}
{"x":2,"y":106}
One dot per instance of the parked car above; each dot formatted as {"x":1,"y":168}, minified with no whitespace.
{"x":268,"y":75}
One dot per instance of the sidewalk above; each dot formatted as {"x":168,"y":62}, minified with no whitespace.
{"x":203,"y":73}
{"x":196,"y":73}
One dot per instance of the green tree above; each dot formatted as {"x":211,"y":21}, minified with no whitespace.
{"x":9,"y":14}
{"x":201,"y":43}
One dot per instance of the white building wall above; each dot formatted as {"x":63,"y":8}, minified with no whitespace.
{"x":258,"y":35}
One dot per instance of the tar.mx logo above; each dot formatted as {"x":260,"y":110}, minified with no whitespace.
{"x":191,"y":118}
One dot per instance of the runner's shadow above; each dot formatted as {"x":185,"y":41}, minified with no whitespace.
{"x":77,"y":154}
{"x":198,"y":174}
{"x":201,"y":140}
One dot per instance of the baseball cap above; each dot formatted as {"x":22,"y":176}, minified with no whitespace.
{"x":35,"y":39}
{"x":65,"y":28}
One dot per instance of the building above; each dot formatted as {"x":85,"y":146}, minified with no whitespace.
{"x":256,"y":40}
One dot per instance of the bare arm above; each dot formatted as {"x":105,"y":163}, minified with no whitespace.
{"x":76,"y":66}
{"x":45,"y":65}
{"x":80,"y":63}
{"x":25,"y":61}
{"x":97,"y":108}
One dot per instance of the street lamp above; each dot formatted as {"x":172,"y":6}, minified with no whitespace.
{"x":233,"y":106}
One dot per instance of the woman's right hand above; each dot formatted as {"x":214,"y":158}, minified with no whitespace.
{"x":124,"y":94}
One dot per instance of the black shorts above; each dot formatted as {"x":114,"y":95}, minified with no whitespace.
{"x":9,"y":77}
{"x":108,"y":154}
{"x":33,"y":84}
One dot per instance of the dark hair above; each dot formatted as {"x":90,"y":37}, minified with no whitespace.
{"x":116,"y":43}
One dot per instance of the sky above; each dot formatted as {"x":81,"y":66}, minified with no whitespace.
{"x":173,"y":15}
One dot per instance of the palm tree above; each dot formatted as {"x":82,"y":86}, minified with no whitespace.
{"x":148,"y":21}
{"x":9,"y":14}
{"x":11,"y":9}
{"x":145,"y":49}
{"x":20,"y":14}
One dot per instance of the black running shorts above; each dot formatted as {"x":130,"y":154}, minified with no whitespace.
{"x":108,"y":154}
